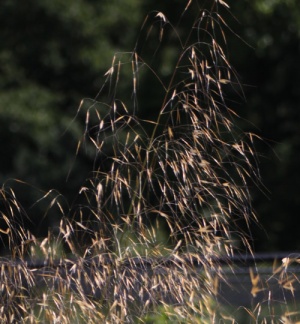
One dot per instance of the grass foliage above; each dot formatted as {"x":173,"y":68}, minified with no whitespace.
{"x":168,"y":197}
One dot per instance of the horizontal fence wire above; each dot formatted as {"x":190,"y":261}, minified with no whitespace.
{"x":246,"y":278}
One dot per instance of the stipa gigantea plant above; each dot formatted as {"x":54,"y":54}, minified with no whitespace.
{"x":188,"y":167}
{"x":186,"y":170}
{"x":183,"y":173}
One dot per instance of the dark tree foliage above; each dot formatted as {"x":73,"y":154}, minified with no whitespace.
{"x":270,"y":69}
{"x":54,"y":53}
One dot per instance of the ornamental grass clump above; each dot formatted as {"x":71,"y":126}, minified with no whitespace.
{"x":167,"y":200}
{"x":186,"y":170}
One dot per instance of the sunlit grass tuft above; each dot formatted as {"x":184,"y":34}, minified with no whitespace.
{"x":168,"y":197}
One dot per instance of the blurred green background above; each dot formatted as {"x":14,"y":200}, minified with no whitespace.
{"x":54,"y":53}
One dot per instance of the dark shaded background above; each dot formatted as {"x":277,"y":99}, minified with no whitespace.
{"x":53,"y":54}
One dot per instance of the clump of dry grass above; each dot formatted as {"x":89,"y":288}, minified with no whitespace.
{"x":184,"y":173}
{"x":188,"y":168}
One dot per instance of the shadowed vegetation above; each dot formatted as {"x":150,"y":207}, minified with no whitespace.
{"x":167,"y":199}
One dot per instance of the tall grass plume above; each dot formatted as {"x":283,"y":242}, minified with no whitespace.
{"x":168,"y":196}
